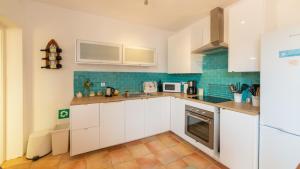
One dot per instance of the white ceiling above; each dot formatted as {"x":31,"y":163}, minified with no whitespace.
{"x":170,"y":15}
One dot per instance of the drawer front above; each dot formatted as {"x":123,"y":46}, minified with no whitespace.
{"x":84,"y":140}
{"x":84,"y":116}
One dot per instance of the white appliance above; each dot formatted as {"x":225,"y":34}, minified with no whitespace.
{"x":150,"y":87}
{"x":172,"y":87}
{"x":280,"y":100}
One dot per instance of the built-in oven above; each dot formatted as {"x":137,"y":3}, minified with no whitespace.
{"x":199,"y":124}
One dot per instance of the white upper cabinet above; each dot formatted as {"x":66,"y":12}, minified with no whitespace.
{"x":246,"y":25}
{"x":139,"y":56}
{"x":98,"y":53}
{"x":180,"y":46}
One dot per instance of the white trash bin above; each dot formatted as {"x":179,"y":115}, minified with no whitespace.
{"x":60,"y":139}
{"x":39,"y":145}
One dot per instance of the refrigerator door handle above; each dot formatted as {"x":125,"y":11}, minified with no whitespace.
{"x":282,"y":130}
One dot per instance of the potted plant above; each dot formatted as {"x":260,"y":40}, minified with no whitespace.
{"x":87,"y":85}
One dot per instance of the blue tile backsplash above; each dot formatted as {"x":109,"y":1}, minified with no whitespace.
{"x":126,"y":81}
{"x":214,"y":79}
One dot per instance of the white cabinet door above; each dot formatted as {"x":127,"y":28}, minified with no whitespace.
{"x":157,"y":118}
{"x":238,"y":140}
{"x":84,"y":116}
{"x":112,"y":124}
{"x":135,"y":119}
{"x":245,"y":30}
{"x":165,"y":104}
{"x":139,"y":56}
{"x":84,"y":140}
{"x":178,"y":116}
{"x":98,"y":52}
{"x":278,"y":149}
{"x":179,"y":52}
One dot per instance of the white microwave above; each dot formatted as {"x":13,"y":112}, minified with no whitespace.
{"x":172,"y":87}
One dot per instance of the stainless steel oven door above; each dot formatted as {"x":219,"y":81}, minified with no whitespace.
{"x":200,"y":128}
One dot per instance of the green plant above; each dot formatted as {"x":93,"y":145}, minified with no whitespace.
{"x":87,"y":84}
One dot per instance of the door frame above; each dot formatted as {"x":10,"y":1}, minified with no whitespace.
{"x":2,"y":97}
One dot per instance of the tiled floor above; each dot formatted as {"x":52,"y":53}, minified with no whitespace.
{"x":164,"y":151}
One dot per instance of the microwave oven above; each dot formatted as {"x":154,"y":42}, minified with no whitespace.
{"x":172,"y":87}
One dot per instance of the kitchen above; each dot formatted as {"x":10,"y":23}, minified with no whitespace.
{"x":148,"y":82}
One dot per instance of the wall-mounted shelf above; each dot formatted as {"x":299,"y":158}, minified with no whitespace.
{"x":52,"y":58}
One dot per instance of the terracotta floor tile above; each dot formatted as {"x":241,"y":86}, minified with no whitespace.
{"x":127,"y":165}
{"x":20,"y":166}
{"x":213,"y":167}
{"x":164,"y":151}
{"x":73,"y":164}
{"x":16,"y":162}
{"x":182,"y":149}
{"x":48,"y":162}
{"x":179,"y":164}
{"x":120,"y":156}
{"x":155,"y":146}
{"x":139,"y":150}
{"x":168,"y":140}
{"x":195,"y":160}
{"x":166,"y":156}
{"x":134,"y":143}
{"x":98,"y":160}
{"x":148,"y":162}
{"x":113,"y":148}
{"x":149,"y":139}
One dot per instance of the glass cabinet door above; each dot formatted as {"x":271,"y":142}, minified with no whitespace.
{"x":98,"y":52}
{"x":139,"y":56}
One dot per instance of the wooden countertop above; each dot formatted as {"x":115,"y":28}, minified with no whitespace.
{"x":246,"y":108}
{"x":238,"y":107}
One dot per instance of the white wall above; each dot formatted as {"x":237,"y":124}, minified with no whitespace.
{"x":46,"y":91}
{"x":53,"y":89}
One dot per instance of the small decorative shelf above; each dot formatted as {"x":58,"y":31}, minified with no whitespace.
{"x":52,"y":58}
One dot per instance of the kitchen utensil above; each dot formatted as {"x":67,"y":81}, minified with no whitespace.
{"x":160,"y":86}
{"x":117,"y":92}
{"x":92,"y":94}
{"x":237,"y":97}
{"x":255,"y":101}
{"x":79,"y":95}
{"x":150,"y":87}
{"x":109,"y":91}
{"x":192,"y":87}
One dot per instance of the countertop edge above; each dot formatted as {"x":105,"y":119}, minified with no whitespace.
{"x":244,"y":108}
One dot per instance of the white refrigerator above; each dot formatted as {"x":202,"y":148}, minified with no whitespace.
{"x":280,"y":100}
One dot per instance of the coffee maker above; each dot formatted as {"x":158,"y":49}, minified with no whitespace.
{"x":192,"y":87}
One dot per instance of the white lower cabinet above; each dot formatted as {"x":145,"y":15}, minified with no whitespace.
{"x":134,"y":119}
{"x":84,"y":126}
{"x":239,"y":140}
{"x":84,"y":140}
{"x":178,"y":116}
{"x":112,"y":124}
{"x":157,"y":116}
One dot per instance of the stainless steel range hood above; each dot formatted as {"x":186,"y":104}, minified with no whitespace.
{"x":216,"y":32}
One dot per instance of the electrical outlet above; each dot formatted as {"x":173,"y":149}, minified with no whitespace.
{"x":103,"y":84}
